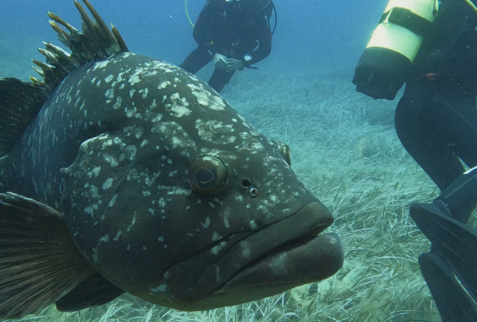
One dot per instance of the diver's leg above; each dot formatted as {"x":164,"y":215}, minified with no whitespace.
{"x":420,"y":125}
{"x":463,"y":124}
{"x":219,"y":79}
{"x":197,"y":59}
{"x":423,"y":128}
{"x":459,"y":124}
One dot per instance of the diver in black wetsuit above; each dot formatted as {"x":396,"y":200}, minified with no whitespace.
{"x":436,"y":121}
{"x":234,"y":34}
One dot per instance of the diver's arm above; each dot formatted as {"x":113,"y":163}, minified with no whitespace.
{"x":264,"y":44}
{"x":203,"y":28}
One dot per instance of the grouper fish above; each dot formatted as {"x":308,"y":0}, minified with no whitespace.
{"x":122,"y":173}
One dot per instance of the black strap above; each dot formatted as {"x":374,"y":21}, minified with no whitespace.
{"x":409,"y":20}
{"x":276,"y":18}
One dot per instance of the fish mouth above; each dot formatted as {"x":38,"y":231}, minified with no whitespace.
{"x":281,"y":256}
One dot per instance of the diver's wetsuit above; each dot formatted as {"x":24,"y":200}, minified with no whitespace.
{"x":436,"y":119}
{"x":233,"y":30}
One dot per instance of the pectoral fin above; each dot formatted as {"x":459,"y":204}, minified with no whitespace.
{"x":96,"y":290}
{"x":39,"y":262}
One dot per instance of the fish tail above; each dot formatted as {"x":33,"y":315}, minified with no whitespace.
{"x":39,"y":262}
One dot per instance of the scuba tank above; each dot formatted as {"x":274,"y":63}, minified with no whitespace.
{"x":394,"y":44}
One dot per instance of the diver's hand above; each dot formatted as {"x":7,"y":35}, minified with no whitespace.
{"x":233,"y":64}
{"x":220,"y":61}
{"x":378,"y":76}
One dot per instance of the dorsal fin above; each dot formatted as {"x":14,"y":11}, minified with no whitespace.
{"x":20,"y":101}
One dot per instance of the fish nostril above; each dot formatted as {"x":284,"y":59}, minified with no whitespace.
{"x":253,"y":192}
{"x":246,"y":183}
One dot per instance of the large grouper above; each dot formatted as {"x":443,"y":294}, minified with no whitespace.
{"x":122,"y":173}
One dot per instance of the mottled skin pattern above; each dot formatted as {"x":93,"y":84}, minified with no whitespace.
{"x":112,"y":148}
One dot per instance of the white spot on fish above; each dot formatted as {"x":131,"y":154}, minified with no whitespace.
{"x":164,"y":85}
{"x":104,"y":239}
{"x":95,"y":172}
{"x":89,"y":210}
{"x":108,"y":183}
{"x":113,"y":200}
{"x":130,"y":111}
{"x":160,"y":288}
{"x":101,"y":65}
{"x":117,"y":235}
{"x":139,"y":131}
{"x":118,"y":103}
{"x":134,"y":79}
{"x":133,"y":221}
{"x":207,"y":223}
{"x":110,"y":159}
{"x":215,"y":236}
{"x":145,"y":92}
{"x":215,"y":250}
{"x":109,"y":94}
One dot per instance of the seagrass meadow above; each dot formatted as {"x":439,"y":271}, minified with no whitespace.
{"x":344,"y":147}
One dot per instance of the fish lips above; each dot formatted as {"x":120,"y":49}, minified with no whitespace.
{"x":276,"y":258}
{"x":315,"y":260}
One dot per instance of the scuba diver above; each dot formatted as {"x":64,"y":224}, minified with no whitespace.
{"x":432,"y":47}
{"x":233,"y":34}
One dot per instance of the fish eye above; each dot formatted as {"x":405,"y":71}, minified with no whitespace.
{"x":253,"y":192}
{"x":207,"y":175}
{"x":246,"y":183}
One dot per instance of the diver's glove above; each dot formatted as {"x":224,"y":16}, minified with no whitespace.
{"x":220,"y":61}
{"x":233,"y":64}
{"x":380,"y":74}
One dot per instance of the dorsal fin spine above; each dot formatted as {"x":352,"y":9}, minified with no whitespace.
{"x":95,"y":42}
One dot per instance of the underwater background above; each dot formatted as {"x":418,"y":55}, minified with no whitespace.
{"x":343,"y":146}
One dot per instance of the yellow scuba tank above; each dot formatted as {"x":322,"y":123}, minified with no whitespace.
{"x":394,"y":45}
{"x":404,"y":25}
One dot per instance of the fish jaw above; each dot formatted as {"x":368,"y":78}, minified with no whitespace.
{"x":316,"y":260}
{"x":269,"y":261}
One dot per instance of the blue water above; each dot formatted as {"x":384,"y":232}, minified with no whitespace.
{"x":314,"y":35}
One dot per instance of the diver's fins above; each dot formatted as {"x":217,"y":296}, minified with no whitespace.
{"x":452,"y":301}
{"x":453,"y":240}
{"x":39,"y":262}
{"x":95,"y":291}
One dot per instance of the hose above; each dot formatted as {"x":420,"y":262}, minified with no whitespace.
{"x":187,"y":14}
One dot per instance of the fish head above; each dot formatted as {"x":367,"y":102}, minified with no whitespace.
{"x":181,"y":202}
